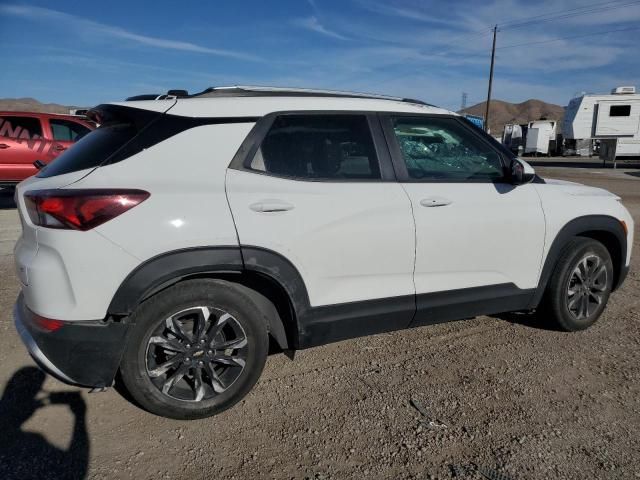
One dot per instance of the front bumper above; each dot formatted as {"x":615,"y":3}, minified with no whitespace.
{"x":84,"y":353}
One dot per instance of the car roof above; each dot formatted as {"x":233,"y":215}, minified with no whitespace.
{"x":243,"y":101}
{"x":10,"y":113}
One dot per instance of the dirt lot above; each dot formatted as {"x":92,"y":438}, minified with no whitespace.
{"x":502,"y":394}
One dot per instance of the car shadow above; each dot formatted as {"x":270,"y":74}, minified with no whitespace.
{"x":6,"y":199}
{"x":27,"y":454}
{"x":527,"y":319}
{"x":633,"y":174}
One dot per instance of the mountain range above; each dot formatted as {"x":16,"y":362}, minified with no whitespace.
{"x":501,"y":112}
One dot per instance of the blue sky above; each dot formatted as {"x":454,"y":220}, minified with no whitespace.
{"x":84,"y":53}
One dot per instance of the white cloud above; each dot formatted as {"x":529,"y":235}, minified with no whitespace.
{"x":312,"y":23}
{"x":408,"y":12}
{"x":85,"y":26}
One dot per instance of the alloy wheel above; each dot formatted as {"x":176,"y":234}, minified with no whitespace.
{"x":587,"y":287}
{"x":196,"y":353}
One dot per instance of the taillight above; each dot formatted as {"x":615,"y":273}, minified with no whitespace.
{"x":46,"y":324}
{"x":79,"y":209}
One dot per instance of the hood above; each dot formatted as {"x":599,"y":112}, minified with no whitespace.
{"x":579,"y":190}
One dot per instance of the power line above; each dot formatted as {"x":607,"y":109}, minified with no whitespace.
{"x":591,"y":5}
{"x":603,"y":8}
{"x":567,"y":38}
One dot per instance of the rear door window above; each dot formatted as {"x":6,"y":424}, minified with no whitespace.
{"x":319,"y":146}
{"x":19,"y":127}
{"x":66,"y":130}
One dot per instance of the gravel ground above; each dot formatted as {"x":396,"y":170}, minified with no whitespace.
{"x":500,"y":395}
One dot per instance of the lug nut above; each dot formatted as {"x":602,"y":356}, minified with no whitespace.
{"x":188,"y":345}
{"x":201,"y":363}
{"x":187,"y":359}
{"x":202,"y":341}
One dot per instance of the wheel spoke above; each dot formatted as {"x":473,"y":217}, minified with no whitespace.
{"x":198,"y":385}
{"x":174,"y":325}
{"x":234,"y":344}
{"x":201,"y":323}
{"x":164,"y":367}
{"x":595,"y":266}
{"x":600,"y":275}
{"x":228,"y":360}
{"x":596,"y":297}
{"x":167,"y":344}
{"x":220,"y":323}
{"x":215,"y":381}
{"x":584,"y":306}
{"x":175,"y":378}
{"x":574,"y":301}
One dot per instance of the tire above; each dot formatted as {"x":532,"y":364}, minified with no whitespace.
{"x":563,"y":304}
{"x":194,"y":350}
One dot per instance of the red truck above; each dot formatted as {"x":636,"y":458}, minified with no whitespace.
{"x":29,"y":136}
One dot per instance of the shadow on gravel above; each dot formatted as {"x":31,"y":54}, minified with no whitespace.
{"x":528,"y":319}
{"x":28,"y":455}
{"x":6,"y":200}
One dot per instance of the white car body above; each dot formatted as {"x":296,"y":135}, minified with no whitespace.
{"x":352,"y":243}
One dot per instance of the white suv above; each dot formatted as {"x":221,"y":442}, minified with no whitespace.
{"x":186,"y":238}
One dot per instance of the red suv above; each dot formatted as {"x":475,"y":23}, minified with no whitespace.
{"x":27,"y":136}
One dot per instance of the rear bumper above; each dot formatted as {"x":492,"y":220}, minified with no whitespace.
{"x":79,"y":353}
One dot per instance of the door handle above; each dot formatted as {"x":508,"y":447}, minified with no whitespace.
{"x":4,"y":145}
{"x":435,"y":202}
{"x":271,"y":206}
{"x":60,"y":147}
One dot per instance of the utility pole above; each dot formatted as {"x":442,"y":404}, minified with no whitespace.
{"x":493,"y":57}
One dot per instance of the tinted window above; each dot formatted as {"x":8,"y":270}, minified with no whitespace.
{"x":122,"y":133}
{"x":620,"y":110}
{"x":444,"y":149}
{"x":15,"y":127}
{"x":318,"y":147}
{"x":90,"y":151}
{"x":66,"y":130}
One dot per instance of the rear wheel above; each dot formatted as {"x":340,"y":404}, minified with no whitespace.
{"x":579,"y":287}
{"x":195,"y":350}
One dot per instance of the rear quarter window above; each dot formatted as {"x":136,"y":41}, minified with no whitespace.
{"x":113,"y":141}
{"x":91,"y":150}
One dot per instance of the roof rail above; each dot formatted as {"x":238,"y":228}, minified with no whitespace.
{"x":255,"y":91}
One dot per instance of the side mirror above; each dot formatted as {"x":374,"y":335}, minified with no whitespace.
{"x":521,"y":172}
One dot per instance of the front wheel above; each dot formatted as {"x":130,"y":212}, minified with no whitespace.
{"x":579,"y":287}
{"x":195,"y":349}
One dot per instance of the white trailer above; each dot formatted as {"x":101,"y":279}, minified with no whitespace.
{"x":540,"y":134}
{"x":613,"y":120}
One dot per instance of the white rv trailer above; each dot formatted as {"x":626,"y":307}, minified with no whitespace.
{"x":613,"y":119}
{"x":540,"y":134}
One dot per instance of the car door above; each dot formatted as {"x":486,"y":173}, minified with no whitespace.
{"x":479,"y":237}
{"x":318,"y":189}
{"x":21,"y":144}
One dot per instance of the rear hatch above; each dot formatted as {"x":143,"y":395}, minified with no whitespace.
{"x":117,"y":138}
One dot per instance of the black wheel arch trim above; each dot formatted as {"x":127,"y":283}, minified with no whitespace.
{"x":170,"y":267}
{"x":166,"y":269}
{"x":584,"y":226}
